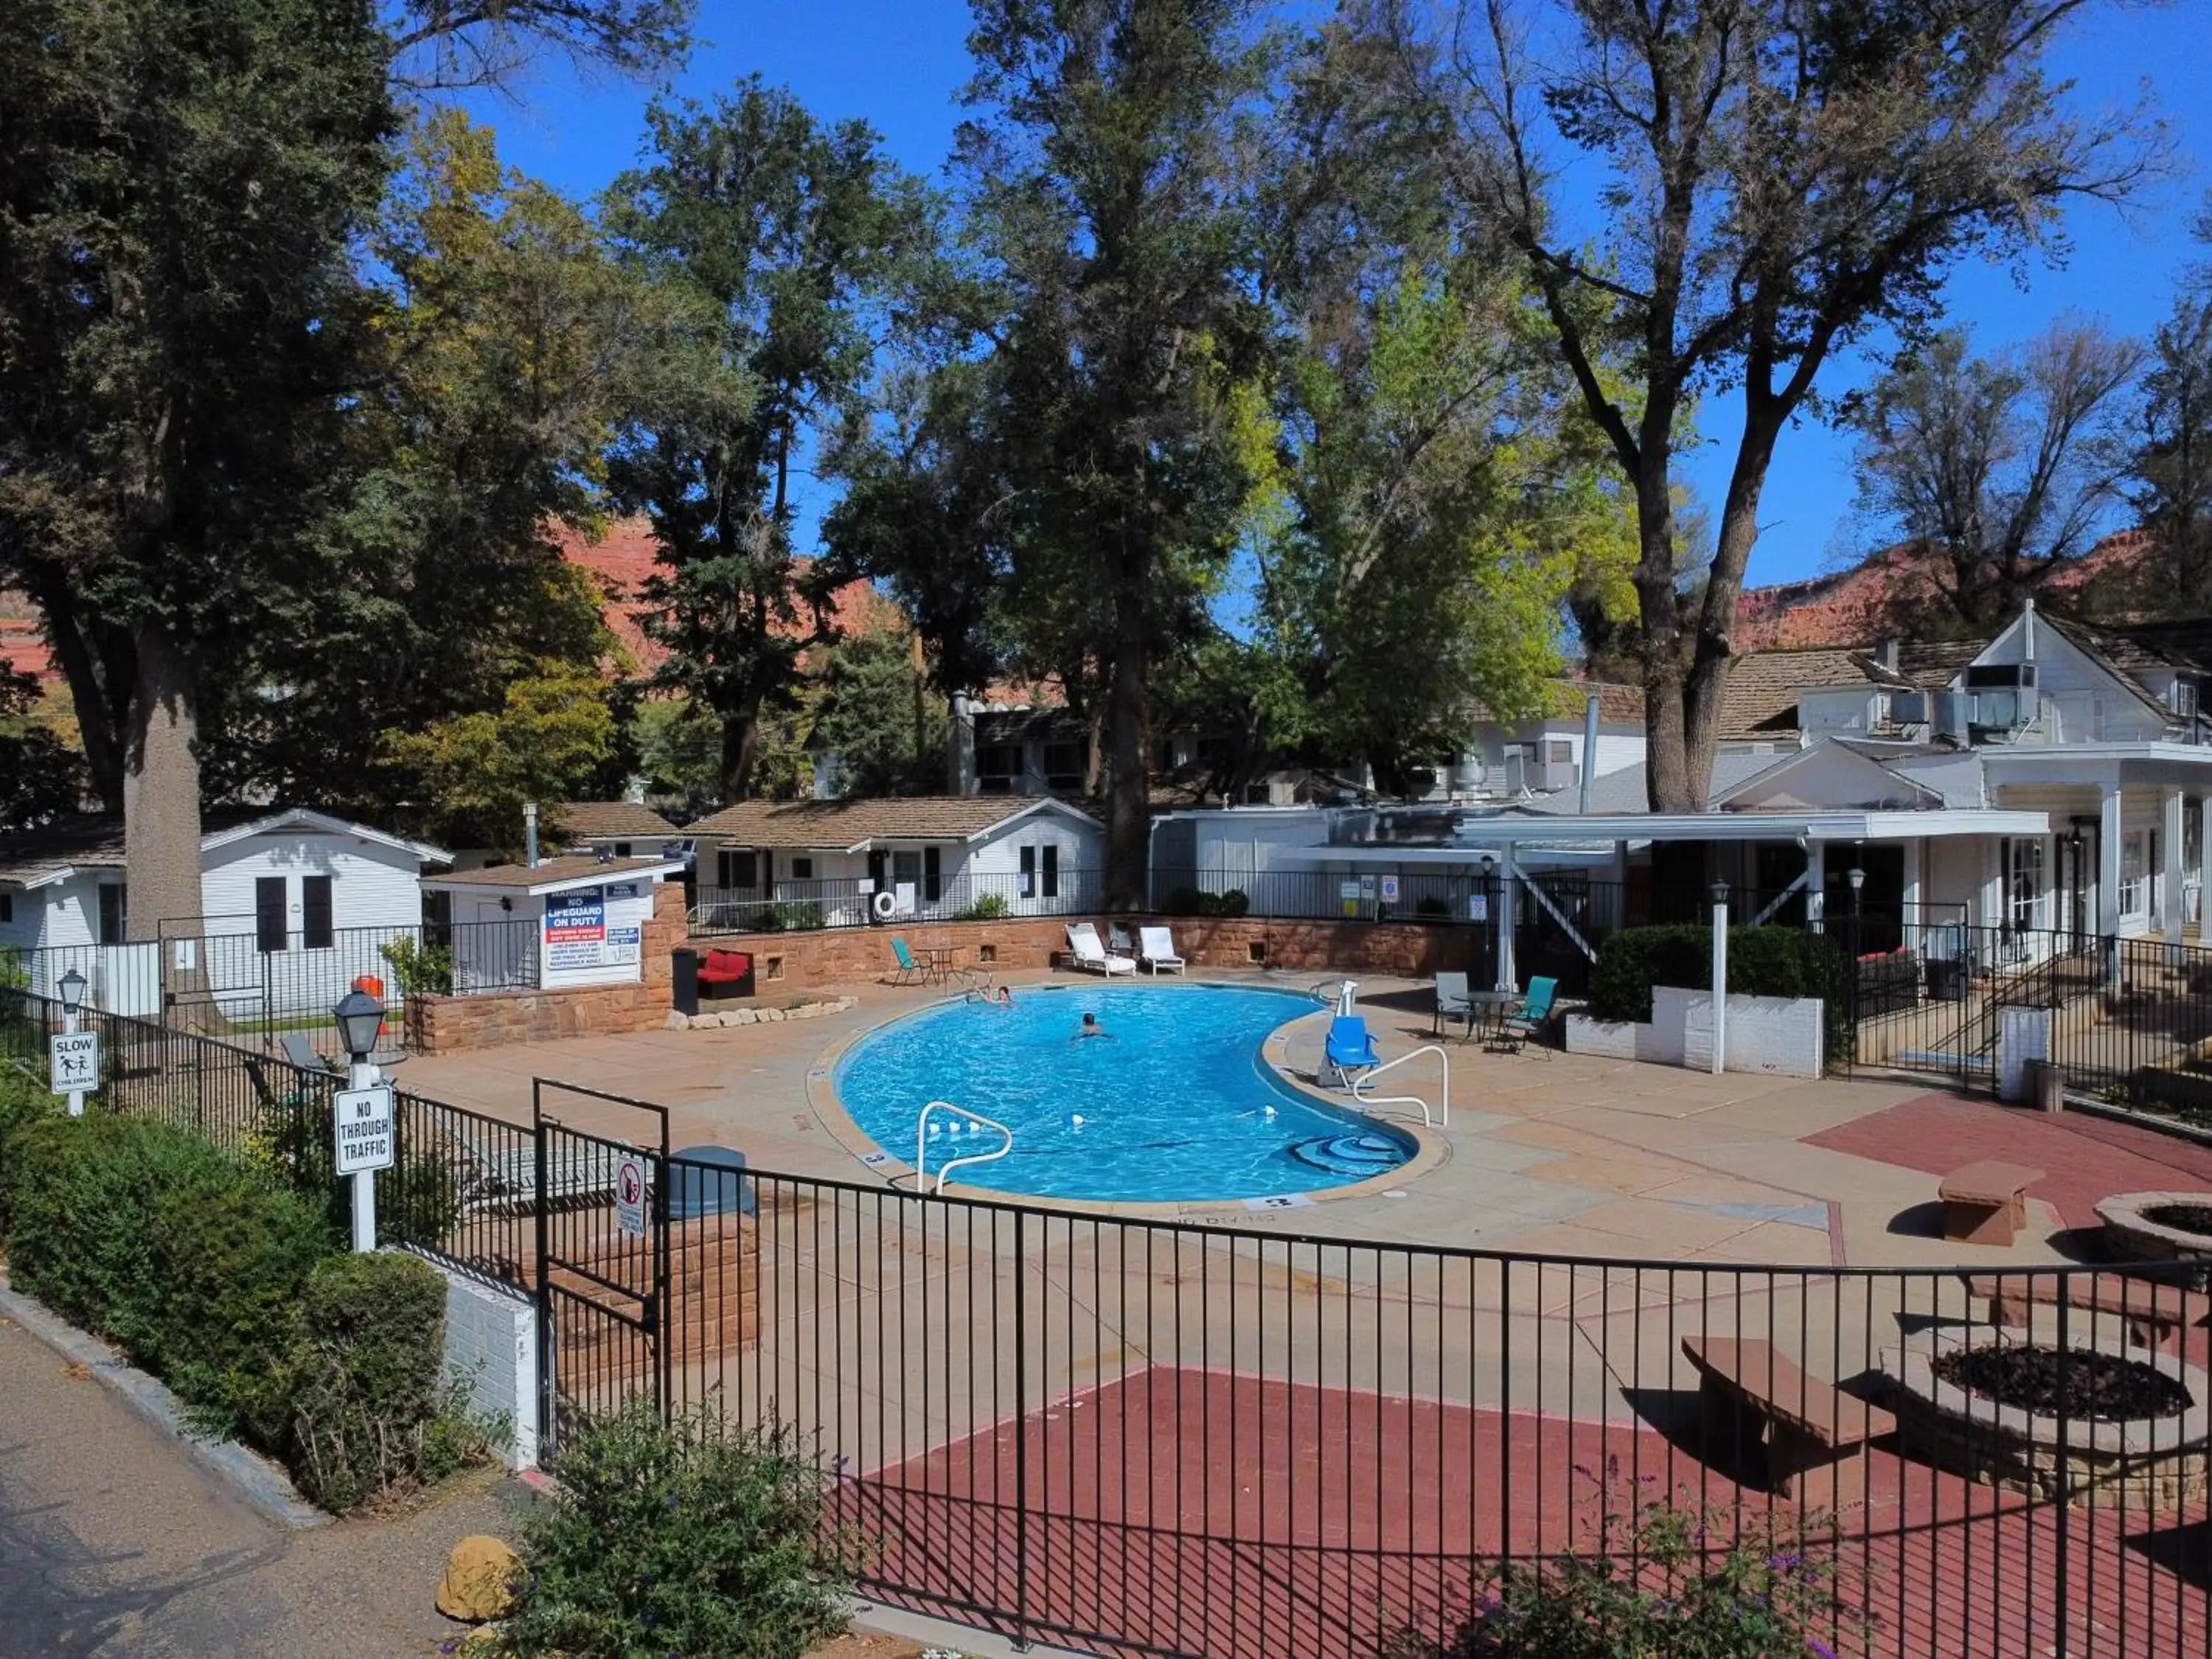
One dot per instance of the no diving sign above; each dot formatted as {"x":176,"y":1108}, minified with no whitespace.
{"x":363,"y":1121}
{"x":629,"y":1195}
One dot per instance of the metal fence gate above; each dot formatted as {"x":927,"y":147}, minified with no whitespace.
{"x":602,"y":1270}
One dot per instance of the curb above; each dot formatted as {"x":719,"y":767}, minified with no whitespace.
{"x":257,"y":1481}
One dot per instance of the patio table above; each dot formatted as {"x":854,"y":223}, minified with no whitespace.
{"x":1488,"y":1009}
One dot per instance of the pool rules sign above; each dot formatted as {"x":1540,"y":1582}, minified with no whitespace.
{"x":363,"y":1118}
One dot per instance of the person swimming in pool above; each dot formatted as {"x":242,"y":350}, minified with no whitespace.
{"x":1090,"y":1027}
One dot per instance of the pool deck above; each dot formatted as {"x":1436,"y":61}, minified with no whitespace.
{"x":1549,"y":1153}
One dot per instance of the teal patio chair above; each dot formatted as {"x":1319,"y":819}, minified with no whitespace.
{"x":1525,"y":1024}
{"x":910,"y":972}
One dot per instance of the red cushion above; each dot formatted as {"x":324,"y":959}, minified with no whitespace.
{"x":726,"y":964}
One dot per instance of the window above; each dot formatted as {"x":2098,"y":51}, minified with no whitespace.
{"x":622,"y":849}
{"x":906,"y":869}
{"x":802,"y":869}
{"x":315,"y":912}
{"x":114,"y":912}
{"x":1063,"y":765}
{"x":1051,"y":869}
{"x":2134,"y":871}
{"x":736,"y":867}
{"x":1027,"y":886}
{"x":438,"y":921}
{"x":2023,"y":881}
{"x":7,"y":907}
{"x":269,"y":928}
{"x":1559,"y":751}
{"x":998,"y":767}
{"x":933,"y":874}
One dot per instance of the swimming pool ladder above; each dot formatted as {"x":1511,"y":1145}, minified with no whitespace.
{"x":1441,"y":1120}
{"x":944,"y":1169}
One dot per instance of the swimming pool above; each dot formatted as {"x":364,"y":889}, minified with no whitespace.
{"x":1175,"y":1102}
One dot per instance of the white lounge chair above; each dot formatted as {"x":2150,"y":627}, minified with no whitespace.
{"x":1092,"y":956}
{"x":1156,"y":949}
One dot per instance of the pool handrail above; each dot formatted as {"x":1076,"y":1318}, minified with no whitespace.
{"x":1441,"y":1120}
{"x":921,"y":1144}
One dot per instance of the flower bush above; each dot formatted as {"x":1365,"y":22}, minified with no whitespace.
{"x":1664,"y":1583}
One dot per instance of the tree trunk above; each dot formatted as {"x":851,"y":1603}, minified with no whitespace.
{"x":1129,"y":781}
{"x":92,"y":700}
{"x":1667,"y":778}
{"x":162,"y":810}
{"x":1707,"y":681}
{"x":741,"y":749}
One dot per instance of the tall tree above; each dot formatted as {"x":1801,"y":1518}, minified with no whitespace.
{"x":2000,"y":469}
{"x":440,"y":46}
{"x":1779,"y":182}
{"x":776,"y":234}
{"x":177,"y":313}
{"x":2170,"y":465}
{"x":1111,"y":161}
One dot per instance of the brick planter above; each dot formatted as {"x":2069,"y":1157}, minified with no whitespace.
{"x":2148,"y":1463}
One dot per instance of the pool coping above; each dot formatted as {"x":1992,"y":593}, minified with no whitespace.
{"x":1431,"y":1149}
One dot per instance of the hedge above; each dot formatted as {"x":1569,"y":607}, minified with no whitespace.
{"x":1765,"y":961}
{"x":1197,"y":902}
{"x":233,"y":1288}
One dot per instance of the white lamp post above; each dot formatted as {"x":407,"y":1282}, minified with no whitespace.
{"x":360,"y":1016}
{"x":72,"y":988}
{"x":1720,"y":974}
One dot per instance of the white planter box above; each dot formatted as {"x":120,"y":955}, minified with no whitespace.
{"x":1780,"y":1035}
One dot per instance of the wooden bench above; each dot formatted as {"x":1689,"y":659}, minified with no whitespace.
{"x":1986,"y":1203}
{"x":1811,"y":1431}
{"x":2152,"y":1311}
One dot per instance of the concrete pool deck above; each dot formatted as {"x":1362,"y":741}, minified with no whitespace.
{"x":1545,"y":1153}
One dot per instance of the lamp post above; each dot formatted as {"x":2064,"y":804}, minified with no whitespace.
{"x":72,"y":988}
{"x":1857,"y":876}
{"x":360,"y":1016}
{"x":1720,"y":974}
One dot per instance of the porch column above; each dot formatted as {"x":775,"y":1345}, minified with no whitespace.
{"x":1508,"y":908}
{"x":2171,"y":829}
{"x":1816,"y":884}
{"x":2108,"y":861}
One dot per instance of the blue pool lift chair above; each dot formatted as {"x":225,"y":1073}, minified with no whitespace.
{"x":1349,"y":1053}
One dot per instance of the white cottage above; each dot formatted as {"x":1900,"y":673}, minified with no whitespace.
{"x":298,"y":885}
{"x":828,"y":861}
{"x":558,"y":925}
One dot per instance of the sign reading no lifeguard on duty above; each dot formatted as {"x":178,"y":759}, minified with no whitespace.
{"x":363,"y":1120}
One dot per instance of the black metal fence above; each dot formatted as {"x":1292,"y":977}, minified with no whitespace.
{"x":1140,"y":1437}
{"x":806,"y":906}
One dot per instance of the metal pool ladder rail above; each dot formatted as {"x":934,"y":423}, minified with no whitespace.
{"x":1443,"y":1118}
{"x":921,"y":1144}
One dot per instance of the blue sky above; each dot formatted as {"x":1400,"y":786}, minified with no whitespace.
{"x":900,"y":64}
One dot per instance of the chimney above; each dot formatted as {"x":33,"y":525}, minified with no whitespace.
{"x":1885,"y":653}
{"x":960,"y":748}
{"x":530,"y":835}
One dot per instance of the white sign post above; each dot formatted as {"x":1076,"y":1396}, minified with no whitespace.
{"x":629,"y":1195}
{"x":362,"y":1120}
{"x":73,"y":1063}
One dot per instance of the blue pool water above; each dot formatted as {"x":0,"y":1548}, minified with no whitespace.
{"x":1175,"y":1101}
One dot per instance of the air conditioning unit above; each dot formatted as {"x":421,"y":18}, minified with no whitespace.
{"x":1908,"y":707}
{"x":1517,"y":771}
{"x":1953,"y":710}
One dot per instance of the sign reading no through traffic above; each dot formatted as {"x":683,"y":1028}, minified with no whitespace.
{"x":362,"y":1120}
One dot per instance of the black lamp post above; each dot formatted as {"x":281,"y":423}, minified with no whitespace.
{"x":72,"y":988}
{"x":360,"y":1016}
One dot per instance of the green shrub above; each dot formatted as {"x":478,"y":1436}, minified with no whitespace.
{"x":1432,"y":908}
{"x":370,"y":1410}
{"x":231,"y":1262}
{"x":1654,"y":1587}
{"x":81,"y":1194}
{"x":419,"y":969}
{"x":24,"y":1100}
{"x":1197,"y":902}
{"x":417,"y":1199}
{"x":991,"y":907}
{"x":1766,"y":962}
{"x":697,"y":1538}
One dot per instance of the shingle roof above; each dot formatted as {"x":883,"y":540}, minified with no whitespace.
{"x":597,"y":820}
{"x":2185,"y":642}
{"x":1760,"y":696}
{"x":569,"y":868}
{"x":840,"y":824}
{"x":78,"y":843}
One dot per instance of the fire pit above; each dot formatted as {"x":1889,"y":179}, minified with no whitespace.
{"x":2160,"y":1227}
{"x":2012,"y":1409}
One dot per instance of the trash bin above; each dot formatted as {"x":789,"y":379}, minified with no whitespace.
{"x":684,"y":989}
{"x":2046,"y":1086}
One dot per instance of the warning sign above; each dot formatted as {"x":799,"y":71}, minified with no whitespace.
{"x":629,"y":1195}
{"x":362,"y":1120}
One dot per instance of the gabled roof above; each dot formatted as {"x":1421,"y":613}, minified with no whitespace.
{"x":96,"y":842}
{"x":2122,"y":658}
{"x":851,"y":826}
{"x":1628,"y":790}
{"x":600,"y":820}
{"x":1863,"y":761}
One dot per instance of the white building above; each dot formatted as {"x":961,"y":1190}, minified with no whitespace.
{"x":553,"y":926}
{"x":812,"y":863}
{"x":314,"y":892}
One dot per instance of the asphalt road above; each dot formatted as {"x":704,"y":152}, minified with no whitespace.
{"x":114,"y":1542}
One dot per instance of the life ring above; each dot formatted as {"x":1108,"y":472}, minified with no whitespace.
{"x":884,"y":904}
